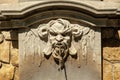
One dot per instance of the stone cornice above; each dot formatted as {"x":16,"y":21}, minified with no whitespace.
{"x":23,"y":10}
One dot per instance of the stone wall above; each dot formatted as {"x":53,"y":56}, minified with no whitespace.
{"x":9,"y":55}
{"x":111,"y":53}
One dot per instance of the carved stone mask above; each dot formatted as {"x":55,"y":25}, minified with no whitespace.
{"x":60,"y":34}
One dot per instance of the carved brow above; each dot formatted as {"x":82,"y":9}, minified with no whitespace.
{"x":67,"y":31}
{"x":51,"y":30}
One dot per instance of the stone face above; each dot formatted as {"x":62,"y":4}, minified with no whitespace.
{"x":5,"y":51}
{"x":112,"y":54}
{"x":6,"y":72}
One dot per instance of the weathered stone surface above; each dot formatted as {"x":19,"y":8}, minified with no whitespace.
{"x":117,"y":75}
{"x":117,"y":67}
{"x":10,"y":35}
{"x":16,"y":77}
{"x":107,"y":76}
{"x":5,"y":51}
{"x":1,"y":37}
{"x":117,"y":71}
{"x":112,"y":0}
{"x":8,"y":1}
{"x":112,"y":54}
{"x":40,"y":0}
{"x":63,"y":44}
{"x":6,"y":72}
{"x":14,"y":53}
{"x":107,"y":67}
{"x":107,"y":70}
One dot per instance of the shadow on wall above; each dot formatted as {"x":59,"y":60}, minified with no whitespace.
{"x":14,"y":38}
{"x":110,"y":37}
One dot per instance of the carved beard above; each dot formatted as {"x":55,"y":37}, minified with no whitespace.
{"x":60,"y":51}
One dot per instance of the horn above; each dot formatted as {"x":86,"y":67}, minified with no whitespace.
{"x":76,"y":30}
{"x":43,"y":31}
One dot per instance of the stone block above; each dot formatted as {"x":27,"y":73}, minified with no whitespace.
{"x":107,"y":70}
{"x":112,"y":54}
{"x":6,"y":72}
{"x":10,"y":35}
{"x":16,"y":77}
{"x":14,"y":53}
{"x":5,"y":51}
{"x":117,"y":75}
{"x":117,"y":67}
{"x":117,"y":71}
{"x":107,"y":76}
{"x":107,"y":67}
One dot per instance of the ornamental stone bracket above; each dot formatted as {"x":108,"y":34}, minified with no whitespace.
{"x":60,"y":39}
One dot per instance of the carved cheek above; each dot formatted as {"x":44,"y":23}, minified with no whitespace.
{"x":52,"y":39}
{"x":67,"y":38}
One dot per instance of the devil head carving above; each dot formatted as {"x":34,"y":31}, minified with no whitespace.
{"x":60,"y":34}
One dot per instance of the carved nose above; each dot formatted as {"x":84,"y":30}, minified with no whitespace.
{"x":59,"y":38}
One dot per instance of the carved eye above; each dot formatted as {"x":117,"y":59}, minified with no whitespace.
{"x":53,"y":34}
{"x":44,"y":30}
{"x":66,"y":34}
